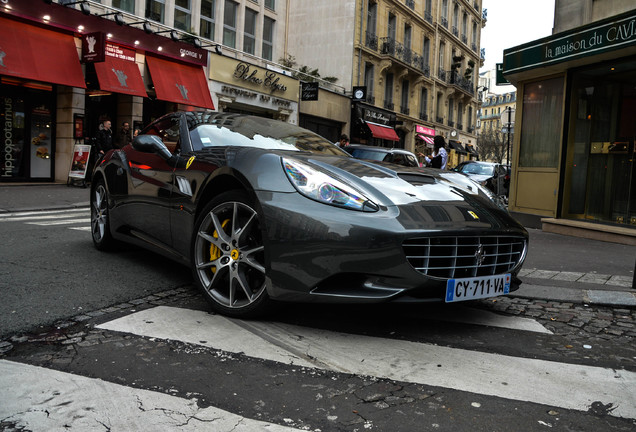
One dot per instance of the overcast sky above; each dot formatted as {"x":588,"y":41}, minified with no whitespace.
{"x":514,"y":22}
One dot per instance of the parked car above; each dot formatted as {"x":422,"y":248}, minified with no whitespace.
{"x":494,"y":176}
{"x":384,"y":154}
{"x":262,"y":210}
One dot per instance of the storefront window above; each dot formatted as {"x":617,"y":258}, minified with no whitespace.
{"x":28,"y":143}
{"x":601,"y":144}
{"x":13,"y":132}
{"x":541,"y":124}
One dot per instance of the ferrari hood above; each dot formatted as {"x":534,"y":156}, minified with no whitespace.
{"x":398,"y":185}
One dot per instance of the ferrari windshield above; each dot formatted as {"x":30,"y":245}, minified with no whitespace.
{"x":222,"y":129}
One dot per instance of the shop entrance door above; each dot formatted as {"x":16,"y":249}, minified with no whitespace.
{"x":600,"y":172}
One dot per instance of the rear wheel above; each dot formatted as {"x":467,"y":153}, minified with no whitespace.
{"x":100,"y":223}
{"x":228,"y":256}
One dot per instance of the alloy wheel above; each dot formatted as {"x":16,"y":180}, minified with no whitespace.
{"x":229,"y":256}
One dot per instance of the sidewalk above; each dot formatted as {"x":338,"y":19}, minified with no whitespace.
{"x":557,"y":268}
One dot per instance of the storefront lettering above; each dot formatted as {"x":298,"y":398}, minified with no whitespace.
{"x":376,"y":117}
{"x":188,"y":53}
{"x":615,"y":34}
{"x":622,"y":32}
{"x":8,"y":138}
{"x":271,"y":80}
{"x":238,"y":92}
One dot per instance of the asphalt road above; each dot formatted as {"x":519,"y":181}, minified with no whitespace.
{"x":129,"y":331}
{"x":49,"y":272}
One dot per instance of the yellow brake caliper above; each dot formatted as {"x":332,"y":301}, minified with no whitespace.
{"x":215,"y":252}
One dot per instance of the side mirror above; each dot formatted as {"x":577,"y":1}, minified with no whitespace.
{"x":151,"y":144}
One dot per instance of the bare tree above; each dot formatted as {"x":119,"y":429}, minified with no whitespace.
{"x":492,"y":145}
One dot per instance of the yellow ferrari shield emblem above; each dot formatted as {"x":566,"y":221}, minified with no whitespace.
{"x":190,"y":161}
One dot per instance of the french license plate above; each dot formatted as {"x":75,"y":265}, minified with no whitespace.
{"x":477,"y":287}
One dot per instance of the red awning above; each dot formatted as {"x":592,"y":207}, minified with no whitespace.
{"x":426,"y":138}
{"x":180,"y":83}
{"x":383,"y":132}
{"x":34,"y":53}
{"x":119,"y":73}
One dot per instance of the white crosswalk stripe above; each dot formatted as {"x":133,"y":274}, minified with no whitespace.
{"x":37,"y":398}
{"x":48,"y":400}
{"x":75,"y":217}
{"x":552,"y":383}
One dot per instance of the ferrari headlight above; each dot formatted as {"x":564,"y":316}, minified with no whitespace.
{"x":321,"y":187}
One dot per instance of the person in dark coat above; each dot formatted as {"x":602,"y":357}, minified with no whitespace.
{"x":104,"y":138}
{"x":123,"y":136}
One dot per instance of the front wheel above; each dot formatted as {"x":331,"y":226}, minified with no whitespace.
{"x":228,"y":261}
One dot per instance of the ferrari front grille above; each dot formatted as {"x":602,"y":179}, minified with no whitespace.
{"x":462,"y":257}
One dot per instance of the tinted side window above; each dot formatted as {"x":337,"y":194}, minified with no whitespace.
{"x":168,"y":130}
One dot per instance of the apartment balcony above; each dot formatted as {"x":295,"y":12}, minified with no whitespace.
{"x":424,"y":116}
{"x":371,"y":99}
{"x":428,"y":17}
{"x":405,"y":110}
{"x":445,"y":22}
{"x":395,"y":49}
{"x":460,"y":126}
{"x":420,"y":63}
{"x":389,"y":105}
{"x":476,"y":6}
{"x":460,"y":82}
{"x":471,"y":129}
{"x":456,"y":32}
{"x":451,"y":123}
{"x":371,"y":41}
{"x":473,"y":46}
{"x":439,"y":119}
{"x":411,"y":4}
{"x":441,"y":74}
{"x":465,"y":39}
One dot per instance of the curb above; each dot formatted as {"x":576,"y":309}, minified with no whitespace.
{"x":580,"y":296}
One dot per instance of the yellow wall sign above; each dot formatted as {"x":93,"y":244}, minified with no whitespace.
{"x":248,"y":76}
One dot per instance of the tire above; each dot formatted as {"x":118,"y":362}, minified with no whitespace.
{"x":228,"y":262}
{"x":100,"y":218}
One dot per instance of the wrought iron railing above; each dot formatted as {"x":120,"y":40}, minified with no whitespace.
{"x":371,"y":41}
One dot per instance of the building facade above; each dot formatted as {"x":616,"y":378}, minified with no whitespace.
{"x":493,"y":126}
{"x":66,"y":65}
{"x":574,"y":154}
{"x":416,"y":62}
